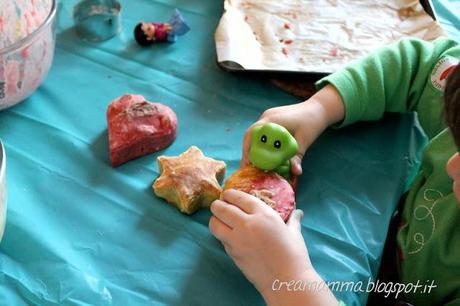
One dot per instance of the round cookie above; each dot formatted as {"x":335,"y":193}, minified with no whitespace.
{"x":270,"y":187}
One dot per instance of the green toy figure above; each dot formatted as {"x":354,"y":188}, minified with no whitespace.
{"x":272,"y":147}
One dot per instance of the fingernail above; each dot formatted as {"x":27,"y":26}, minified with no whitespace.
{"x":299,"y":169}
{"x":300,"y":213}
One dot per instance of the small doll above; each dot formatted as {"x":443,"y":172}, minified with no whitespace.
{"x":147,"y":33}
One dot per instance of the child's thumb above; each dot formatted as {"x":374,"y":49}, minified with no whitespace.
{"x":294,"y":220}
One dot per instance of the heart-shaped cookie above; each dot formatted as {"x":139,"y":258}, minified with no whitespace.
{"x":137,"y":127}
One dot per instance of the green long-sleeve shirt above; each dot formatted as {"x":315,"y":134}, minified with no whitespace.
{"x":410,"y":76}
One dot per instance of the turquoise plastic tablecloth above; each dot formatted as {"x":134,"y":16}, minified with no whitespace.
{"x":448,"y":15}
{"x":80,"y":232}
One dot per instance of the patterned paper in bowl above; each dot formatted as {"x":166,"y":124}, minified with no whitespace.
{"x":26,"y":47}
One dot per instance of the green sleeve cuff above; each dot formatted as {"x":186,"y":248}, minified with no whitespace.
{"x":343,"y":83}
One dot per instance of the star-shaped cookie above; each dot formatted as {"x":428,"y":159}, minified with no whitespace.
{"x":189,"y":181}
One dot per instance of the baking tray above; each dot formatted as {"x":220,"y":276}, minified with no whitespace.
{"x":234,"y":67}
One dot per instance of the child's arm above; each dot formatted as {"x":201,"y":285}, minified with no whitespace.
{"x":271,"y":254}
{"x":390,"y":80}
{"x":394,"y":79}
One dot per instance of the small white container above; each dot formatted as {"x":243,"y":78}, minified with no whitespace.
{"x":3,"y":194}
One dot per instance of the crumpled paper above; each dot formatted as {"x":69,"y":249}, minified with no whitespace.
{"x":315,"y":36}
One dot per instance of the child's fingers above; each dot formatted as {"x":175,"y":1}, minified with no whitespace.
{"x":296,"y":165}
{"x":219,"y":229}
{"x":303,"y":142}
{"x":244,"y":201}
{"x":294,"y":220}
{"x":228,"y":214}
{"x":231,"y":252}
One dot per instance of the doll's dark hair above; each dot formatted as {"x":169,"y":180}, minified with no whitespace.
{"x":140,"y":36}
{"x":452,"y":104}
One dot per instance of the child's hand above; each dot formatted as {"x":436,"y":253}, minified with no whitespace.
{"x":264,"y":247}
{"x":255,"y":236}
{"x":306,"y":121}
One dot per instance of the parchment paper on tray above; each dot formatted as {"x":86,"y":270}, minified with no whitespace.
{"x":315,"y":35}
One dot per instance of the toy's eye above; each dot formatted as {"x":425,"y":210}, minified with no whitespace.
{"x":277,"y":144}
{"x":263,"y":138}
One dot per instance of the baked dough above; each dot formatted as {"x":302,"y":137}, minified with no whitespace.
{"x":137,"y":127}
{"x":269,"y":186}
{"x":189,"y":181}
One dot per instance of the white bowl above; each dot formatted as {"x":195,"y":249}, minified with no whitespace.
{"x":3,"y":194}
{"x":26,"y":48}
